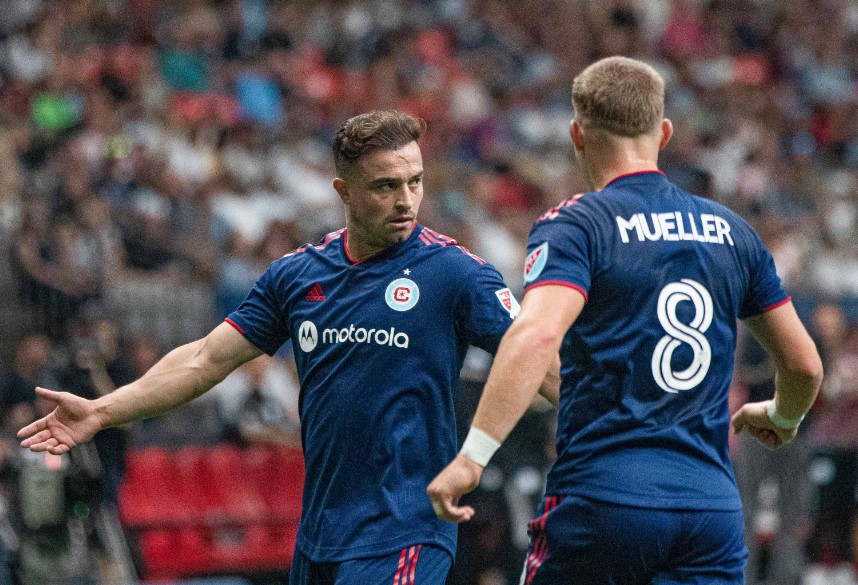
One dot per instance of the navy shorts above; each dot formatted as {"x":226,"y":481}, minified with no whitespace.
{"x":421,"y":564}
{"x":579,"y":541}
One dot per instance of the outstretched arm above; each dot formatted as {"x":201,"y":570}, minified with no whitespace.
{"x":526,"y":353}
{"x":180,"y":376}
{"x":797,"y":378}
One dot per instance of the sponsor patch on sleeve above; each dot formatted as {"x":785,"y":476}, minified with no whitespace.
{"x":534,"y":264}
{"x":508,"y":301}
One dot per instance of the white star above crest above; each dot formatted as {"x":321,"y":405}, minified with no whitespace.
{"x":406,"y":272}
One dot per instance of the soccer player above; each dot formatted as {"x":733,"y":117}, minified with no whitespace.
{"x":638,"y":285}
{"x":380,"y":315}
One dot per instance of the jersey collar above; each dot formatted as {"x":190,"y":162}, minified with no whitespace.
{"x":384,"y":254}
{"x":635,"y":174}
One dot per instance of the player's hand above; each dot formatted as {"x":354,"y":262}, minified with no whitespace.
{"x":754,"y":419}
{"x":72,"y":422}
{"x":457,"y":479}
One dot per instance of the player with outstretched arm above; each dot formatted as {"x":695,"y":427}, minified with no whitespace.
{"x":638,"y":285}
{"x":380,"y":315}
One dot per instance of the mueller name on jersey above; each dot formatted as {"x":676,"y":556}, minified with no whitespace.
{"x":673,"y":226}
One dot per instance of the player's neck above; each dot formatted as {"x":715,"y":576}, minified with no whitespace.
{"x":601,"y":177}
{"x":604,"y":166}
{"x":359,"y":247}
{"x":358,"y":250}
{"x":606,"y":157}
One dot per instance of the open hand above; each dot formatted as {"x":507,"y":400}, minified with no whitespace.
{"x":72,"y":422}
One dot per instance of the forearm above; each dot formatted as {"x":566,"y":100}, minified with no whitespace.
{"x":520,"y":369}
{"x":526,"y":353}
{"x":177,"y":378}
{"x":795,"y":393}
{"x":550,"y":387}
{"x":797,"y":362}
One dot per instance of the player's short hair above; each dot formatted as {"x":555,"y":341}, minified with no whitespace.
{"x":372,"y":131}
{"x":620,"y":95}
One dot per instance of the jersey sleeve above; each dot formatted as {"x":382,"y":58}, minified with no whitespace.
{"x":484,"y":308}
{"x":259,"y":317}
{"x":765,"y":291}
{"x":558,"y":252}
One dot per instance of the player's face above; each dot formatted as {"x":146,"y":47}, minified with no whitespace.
{"x":382,"y":197}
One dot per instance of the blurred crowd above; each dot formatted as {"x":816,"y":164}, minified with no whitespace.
{"x":156,"y":156}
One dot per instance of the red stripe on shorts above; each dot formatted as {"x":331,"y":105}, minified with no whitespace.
{"x":398,"y":573}
{"x":414,"y":564}
{"x":539,"y":543}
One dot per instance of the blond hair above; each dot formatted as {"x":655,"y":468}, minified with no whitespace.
{"x":620,"y":95}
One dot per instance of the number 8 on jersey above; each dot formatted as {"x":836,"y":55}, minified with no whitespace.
{"x":679,"y":333}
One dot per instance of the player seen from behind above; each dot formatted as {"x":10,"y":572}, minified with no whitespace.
{"x":638,"y":285}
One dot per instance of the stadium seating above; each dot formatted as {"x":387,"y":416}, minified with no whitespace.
{"x":206,"y":510}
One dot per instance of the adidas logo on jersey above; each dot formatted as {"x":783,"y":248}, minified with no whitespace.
{"x":316,"y":294}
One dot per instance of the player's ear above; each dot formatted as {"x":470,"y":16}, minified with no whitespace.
{"x":666,"y":133}
{"x":342,"y":189}
{"x":576,"y":131}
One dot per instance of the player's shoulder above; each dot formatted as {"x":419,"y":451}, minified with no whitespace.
{"x":308,"y":253}
{"x":742,"y":233}
{"x":562,"y":209}
{"x":736,"y":221}
{"x":717,"y":208}
{"x":579,"y":209}
{"x":447,"y":248}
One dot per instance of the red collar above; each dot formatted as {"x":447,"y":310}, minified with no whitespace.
{"x":615,"y":179}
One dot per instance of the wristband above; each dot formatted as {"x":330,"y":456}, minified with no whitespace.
{"x":786,"y":424}
{"x":479,"y":446}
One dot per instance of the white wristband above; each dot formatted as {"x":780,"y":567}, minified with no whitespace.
{"x":479,"y":446}
{"x":779,"y":421}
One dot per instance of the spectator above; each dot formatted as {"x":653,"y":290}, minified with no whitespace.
{"x":48,"y":276}
{"x":97,"y":366}
{"x":31,"y":369}
{"x":834,"y":437}
{"x":830,"y":329}
{"x":268,"y":408}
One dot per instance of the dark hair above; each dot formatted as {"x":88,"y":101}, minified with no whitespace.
{"x":375,"y":130}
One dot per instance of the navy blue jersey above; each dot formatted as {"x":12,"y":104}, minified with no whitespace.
{"x":378,"y":345}
{"x":643,"y":415}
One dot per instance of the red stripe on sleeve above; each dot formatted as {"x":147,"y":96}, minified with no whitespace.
{"x":776,"y":305}
{"x":559,"y":283}
{"x":234,"y":324}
